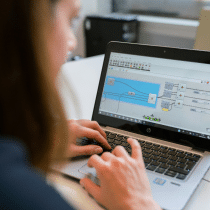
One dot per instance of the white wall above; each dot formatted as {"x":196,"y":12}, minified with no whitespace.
{"x":183,"y":8}
{"x":104,"y":6}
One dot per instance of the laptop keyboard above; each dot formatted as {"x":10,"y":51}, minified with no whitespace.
{"x":157,"y":158}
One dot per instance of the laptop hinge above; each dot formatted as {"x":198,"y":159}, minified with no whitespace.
{"x":190,"y":144}
{"x":195,"y":149}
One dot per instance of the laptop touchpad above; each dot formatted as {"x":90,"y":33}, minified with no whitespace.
{"x":87,"y":170}
{"x":90,"y":173}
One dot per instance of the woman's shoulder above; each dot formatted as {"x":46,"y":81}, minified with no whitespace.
{"x":12,"y":153}
{"x":23,"y":186}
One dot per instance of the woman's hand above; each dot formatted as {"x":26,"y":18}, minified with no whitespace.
{"x":123,"y":180}
{"x":89,"y":129}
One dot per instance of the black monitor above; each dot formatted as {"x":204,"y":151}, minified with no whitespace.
{"x":100,"y":30}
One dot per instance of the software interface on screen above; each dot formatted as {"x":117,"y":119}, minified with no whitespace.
{"x":168,"y":93}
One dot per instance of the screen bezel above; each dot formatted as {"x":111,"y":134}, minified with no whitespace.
{"x":157,"y":52}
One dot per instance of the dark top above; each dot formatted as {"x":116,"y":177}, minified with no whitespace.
{"x":22,"y":187}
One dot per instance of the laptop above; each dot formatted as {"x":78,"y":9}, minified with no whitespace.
{"x":161,"y":97}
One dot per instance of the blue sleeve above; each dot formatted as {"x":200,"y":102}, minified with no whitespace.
{"x":21,"y":186}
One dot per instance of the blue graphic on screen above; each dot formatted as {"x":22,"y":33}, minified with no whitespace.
{"x":131,"y":91}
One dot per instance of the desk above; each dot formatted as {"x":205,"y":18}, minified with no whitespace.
{"x":78,"y":83}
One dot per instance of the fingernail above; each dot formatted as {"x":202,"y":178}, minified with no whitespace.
{"x":98,"y":150}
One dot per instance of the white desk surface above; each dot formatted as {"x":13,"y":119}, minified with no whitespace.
{"x":83,"y":77}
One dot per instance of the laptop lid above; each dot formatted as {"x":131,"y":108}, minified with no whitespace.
{"x":156,"y":91}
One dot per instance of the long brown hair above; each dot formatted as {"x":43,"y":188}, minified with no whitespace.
{"x":30,"y":107}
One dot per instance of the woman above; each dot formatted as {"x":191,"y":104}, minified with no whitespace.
{"x":34,"y":40}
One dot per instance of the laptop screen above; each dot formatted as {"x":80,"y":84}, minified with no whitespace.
{"x":172,"y":94}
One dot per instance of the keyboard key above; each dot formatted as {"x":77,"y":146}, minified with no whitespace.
{"x":148,"y":146}
{"x":164,"y":155}
{"x":172,"y":153}
{"x":128,"y":150}
{"x":191,"y":158}
{"x":174,"y":158}
{"x":190,"y":166}
{"x":189,"y":154}
{"x":117,"y":142}
{"x":141,"y":145}
{"x":156,"y":145}
{"x":156,"y":148}
{"x":171,"y":149}
{"x":160,"y":170}
{"x":148,"y":143}
{"x":180,"y":152}
{"x":181,"y":176}
{"x":154,"y":163}
{"x":196,"y":159}
{"x":163,"y":160}
{"x":181,"y":160}
{"x":148,"y":150}
{"x":163,"y":150}
{"x":119,"y":138}
{"x":170,"y":173}
{"x":110,"y":140}
{"x":146,"y":155}
{"x":190,"y":162}
{"x":111,"y":144}
{"x":125,"y":144}
{"x":141,"y":141}
{"x":156,"y":153}
{"x":197,"y":156}
{"x":124,"y":139}
{"x":107,"y":133}
{"x":171,"y":162}
{"x":178,"y":170}
{"x":182,"y":155}
{"x":147,"y":160}
{"x":151,"y":167}
{"x":164,"y":165}
{"x":154,"y":157}
{"x":181,"y":165}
